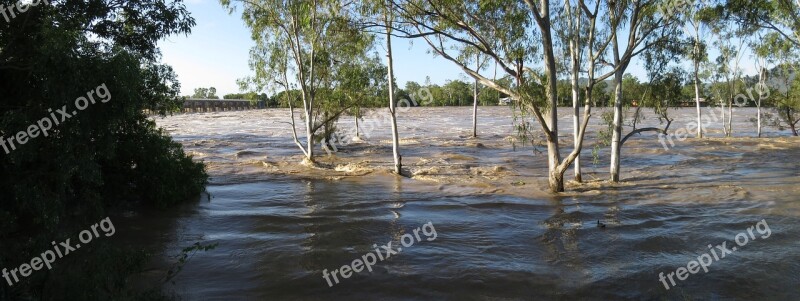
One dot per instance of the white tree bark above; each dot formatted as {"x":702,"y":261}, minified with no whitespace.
{"x":475,"y":99}
{"x":392,"y":105}
{"x":574,"y":23}
{"x":697,"y":80}
{"x":616,"y":136}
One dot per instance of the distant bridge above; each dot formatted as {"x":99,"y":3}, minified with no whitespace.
{"x":219,"y":105}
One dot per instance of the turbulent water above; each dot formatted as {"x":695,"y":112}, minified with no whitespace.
{"x":499,"y":234}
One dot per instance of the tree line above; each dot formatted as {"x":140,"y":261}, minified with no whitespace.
{"x":325,"y":52}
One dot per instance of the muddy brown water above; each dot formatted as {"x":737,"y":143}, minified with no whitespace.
{"x":500,"y":235}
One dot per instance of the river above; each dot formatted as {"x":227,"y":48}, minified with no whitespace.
{"x":499,"y":234}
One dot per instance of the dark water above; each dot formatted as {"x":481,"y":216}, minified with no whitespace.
{"x":276,"y":236}
{"x":276,"y":233}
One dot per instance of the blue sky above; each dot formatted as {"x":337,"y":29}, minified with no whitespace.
{"x":217,"y":51}
{"x":216,"y":54}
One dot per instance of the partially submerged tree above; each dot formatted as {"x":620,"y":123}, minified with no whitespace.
{"x":727,"y":73}
{"x":694,"y":15}
{"x":300,"y":44}
{"x":788,"y":107}
{"x":573,"y":35}
{"x":761,"y":53}
{"x":502,"y":31}
{"x":647,"y":28}
{"x":783,"y":78}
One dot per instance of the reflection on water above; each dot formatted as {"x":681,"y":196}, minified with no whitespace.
{"x":275,"y":238}
{"x":276,"y":233}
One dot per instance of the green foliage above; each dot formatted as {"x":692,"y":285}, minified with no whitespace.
{"x":310,"y":46}
{"x":787,"y":106}
{"x":775,"y":16}
{"x":104,"y":157}
{"x":603,"y":136}
{"x":205,"y":93}
{"x":100,"y":272}
{"x":153,"y":169}
{"x":186,"y":255}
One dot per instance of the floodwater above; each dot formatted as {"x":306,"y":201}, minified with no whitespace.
{"x":499,"y":234}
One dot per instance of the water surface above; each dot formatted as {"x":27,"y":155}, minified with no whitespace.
{"x":278,"y":232}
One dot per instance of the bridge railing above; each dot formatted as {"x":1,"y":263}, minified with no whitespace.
{"x":216,"y":105}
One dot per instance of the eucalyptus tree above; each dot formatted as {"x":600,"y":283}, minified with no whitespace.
{"x":480,"y":62}
{"x":573,"y":34}
{"x":776,"y":50}
{"x":780,"y":19}
{"x":377,"y":17}
{"x":727,"y":69}
{"x":300,"y":44}
{"x":513,"y":34}
{"x":648,"y":28}
{"x":779,"y":16}
{"x":587,"y":43}
{"x":388,"y":20}
{"x":789,"y":107}
{"x":761,"y":53}
{"x":696,"y":17}
{"x":365,"y":85}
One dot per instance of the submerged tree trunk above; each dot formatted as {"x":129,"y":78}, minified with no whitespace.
{"x":576,"y":123}
{"x":556,"y":176}
{"x":724,"y":122}
{"x":475,"y":101}
{"x":761,"y":80}
{"x":697,"y":99}
{"x":395,"y":139}
{"x":792,"y":123}
{"x":575,"y":66}
{"x":730,"y":117}
{"x":696,"y":58}
{"x":309,"y":136}
{"x":358,"y":135}
{"x":475,"y":111}
{"x":617,"y":128}
{"x":758,"y":111}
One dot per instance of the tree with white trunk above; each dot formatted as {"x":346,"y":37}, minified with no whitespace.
{"x":301,"y":44}
{"x":646,"y":28}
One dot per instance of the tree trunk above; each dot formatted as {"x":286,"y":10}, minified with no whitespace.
{"x":475,"y":101}
{"x":309,"y":136}
{"x":617,"y":128}
{"x":697,"y":98}
{"x":475,"y":110}
{"x":395,"y":140}
{"x":326,"y":143}
{"x":575,"y":110}
{"x":358,"y":135}
{"x":761,"y":81}
{"x":556,"y":178}
{"x":791,"y":122}
{"x":724,"y":122}
{"x":759,"y":116}
{"x":730,"y":118}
